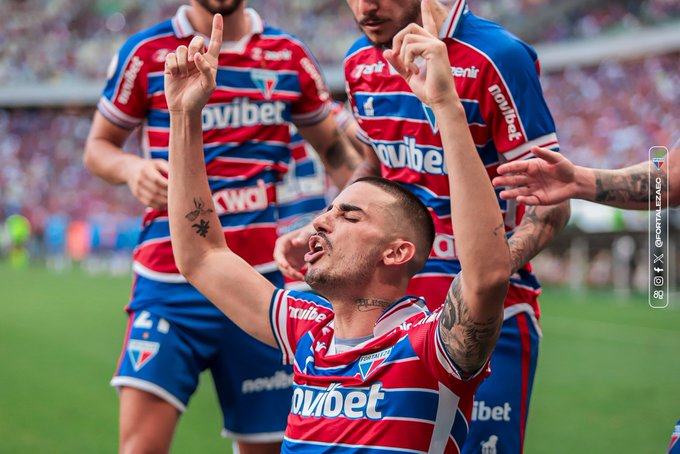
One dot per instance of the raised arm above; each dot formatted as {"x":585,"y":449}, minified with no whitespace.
{"x":552,"y":178}
{"x":473,"y":312}
{"x":200,"y":249}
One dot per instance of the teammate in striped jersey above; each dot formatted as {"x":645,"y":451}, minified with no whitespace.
{"x":496,"y":76}
{"x":267,"y":80}
{"x":374,"y":371}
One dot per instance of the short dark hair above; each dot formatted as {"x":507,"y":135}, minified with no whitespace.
{"x":414,"y":213}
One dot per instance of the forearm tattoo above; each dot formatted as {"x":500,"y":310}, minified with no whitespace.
{"x":336,"y":153}
{"x":538,"y":227}
{"x":202,"y":227}
{"x":467,"y":340}
{"x":366,"y":304}
{"x":633,"y":186}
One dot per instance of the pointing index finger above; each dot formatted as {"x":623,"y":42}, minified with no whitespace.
{"x":427,"y":14}
{"x":216,"y":36}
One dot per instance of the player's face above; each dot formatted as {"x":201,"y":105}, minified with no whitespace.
{"x":380,"y":20}
{"x":350,"y":240}
{"x":223,"y":7}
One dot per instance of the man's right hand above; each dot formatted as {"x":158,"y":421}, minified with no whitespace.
{"x":148,"y":182}
{"x":548,"y":179}
{"x":290,"y":250}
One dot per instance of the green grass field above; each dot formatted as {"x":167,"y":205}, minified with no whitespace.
{"x":608,"y":378}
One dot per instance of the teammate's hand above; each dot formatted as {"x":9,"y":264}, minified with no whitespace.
{"x":190,"y":73}
{"x":548,"y":179}
{"x":422,"y":60}
{"x":148,"y":182}
{"x":290,"y":249}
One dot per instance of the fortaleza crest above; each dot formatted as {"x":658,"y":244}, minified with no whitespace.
{"x":141,"y":352}
{"x":431,"y":119}
{"x":658,"y":156}
{"x":265,"y":81}
{"x":369,"y":363}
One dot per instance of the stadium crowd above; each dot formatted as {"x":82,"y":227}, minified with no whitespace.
{"x":78,"y":38}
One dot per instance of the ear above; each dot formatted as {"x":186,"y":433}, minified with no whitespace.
{"x":399,"y":252}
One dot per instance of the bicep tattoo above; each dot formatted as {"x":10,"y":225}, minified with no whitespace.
{"x":467,"y":340}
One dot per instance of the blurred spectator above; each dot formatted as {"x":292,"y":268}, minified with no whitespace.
{"x":78,"y":39}
{"x":609,"y":116}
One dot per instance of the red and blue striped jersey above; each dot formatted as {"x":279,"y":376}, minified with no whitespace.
{"x":397,"y":392}
{"x":496,"y":76}
{"x":265,"y":82}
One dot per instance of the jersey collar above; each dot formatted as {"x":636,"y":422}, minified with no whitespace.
{"x":397,"y":313}
{"x":183,"y":29}
{"x":452,"y":22}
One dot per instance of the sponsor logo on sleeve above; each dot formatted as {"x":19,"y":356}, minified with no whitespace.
{"x":508,"y":112}
{"x":129,"y":79}
{"x":310,"y":68}
{"x":470,"y":72}
{"x":306,"y":313}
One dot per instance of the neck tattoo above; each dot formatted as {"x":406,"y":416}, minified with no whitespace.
{"x":366,"y":304}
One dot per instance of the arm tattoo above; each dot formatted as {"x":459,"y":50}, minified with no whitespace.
{"x":202,"y":226}
{"x":336,"y":155}
{"x":199,"y":204}
{"x":535,"y":231}
{"x":633,"y":186}
{"x":467,"y":340}
{"x":365,"y":304}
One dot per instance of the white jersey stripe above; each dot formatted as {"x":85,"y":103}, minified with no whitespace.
{"x":444,"y":421}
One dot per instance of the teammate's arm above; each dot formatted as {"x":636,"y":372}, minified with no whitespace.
{"x":201,"y":252}
{"x":473,"y":312}
{"x":338,"y":155}
{"x":370,"y":165}
{"x":552,"y":178}
{"x":540,"y":225}
{"x":104,"y":157}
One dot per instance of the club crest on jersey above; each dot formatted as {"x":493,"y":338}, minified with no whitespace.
{"x":141,"y":352}
{"x":369,"y":363}
{"x":265,"y":81}
{"x":431,"y":119}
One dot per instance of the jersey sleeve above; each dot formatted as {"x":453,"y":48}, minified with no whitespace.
{"x":293,"y":314}
{"x":314,"y":104}
{"x":124,"y":100}
{"x":512,"y":103}
{"x":427,"y":342}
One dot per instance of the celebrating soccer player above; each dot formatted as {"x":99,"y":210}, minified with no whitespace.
{"x":373,"y":370}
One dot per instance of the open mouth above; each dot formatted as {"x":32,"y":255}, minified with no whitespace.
{"x":316,"y":249}
{"x":373,"y":24}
